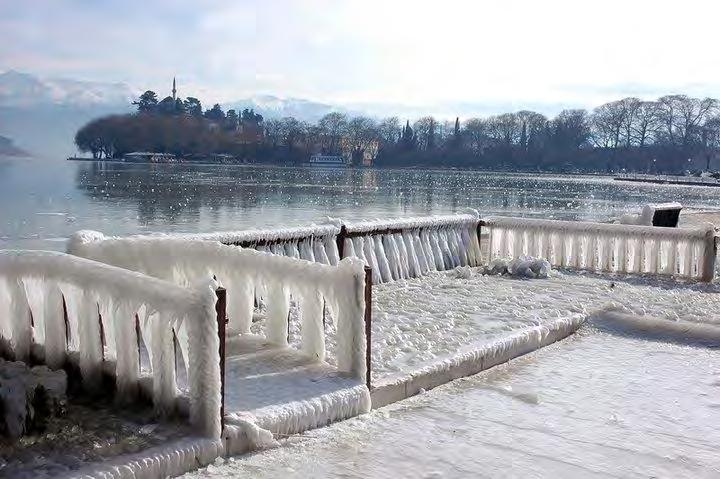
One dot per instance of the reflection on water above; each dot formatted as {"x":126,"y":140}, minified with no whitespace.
{"x":42,"y":203}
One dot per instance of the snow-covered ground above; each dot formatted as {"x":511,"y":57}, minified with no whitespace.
{"x":86,"y":433}
{"x":597,"y":404}
{"x":419,"y":321}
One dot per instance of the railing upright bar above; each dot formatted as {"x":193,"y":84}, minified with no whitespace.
{"x":220,"y":310}
{"x":368,"y":326}
{"x":340,"y":241}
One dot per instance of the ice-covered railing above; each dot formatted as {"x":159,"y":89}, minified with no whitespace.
{"x":247,"y":275}
{"x":65,"y":310}
{"x":411,"y":247}
{"x":606,"y":247}
{"x":316,"y":243}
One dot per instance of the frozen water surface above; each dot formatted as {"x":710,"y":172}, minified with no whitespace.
{"x":594,"y":405}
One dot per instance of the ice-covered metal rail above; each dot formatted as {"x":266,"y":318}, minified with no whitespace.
{"x":247,"y":275}
{"x":65,"y":310}
{"x":606,"y":247}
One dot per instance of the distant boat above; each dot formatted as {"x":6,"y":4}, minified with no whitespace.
{"x":328,"y":161}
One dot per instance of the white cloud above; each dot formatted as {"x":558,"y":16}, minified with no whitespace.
{"x":400,"y":51}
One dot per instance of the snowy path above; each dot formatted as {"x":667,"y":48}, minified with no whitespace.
{"x":258,"y":376}
{"x":423,"y":320}
{"x":594,"y":405}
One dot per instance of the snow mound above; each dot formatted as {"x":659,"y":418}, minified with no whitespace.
{"x":522,"y":267}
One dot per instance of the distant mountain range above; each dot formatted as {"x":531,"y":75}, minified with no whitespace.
{"x":7,"y":148}
{"x":42,"y":115}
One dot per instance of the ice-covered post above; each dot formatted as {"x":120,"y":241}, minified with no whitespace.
{"x":220,"y":310}
{"x":368,"y":325}
{"x":709,"y":255}
{"x":340,"y":240}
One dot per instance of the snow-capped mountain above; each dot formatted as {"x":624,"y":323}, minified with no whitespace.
{"x":23,"y":90}
{"x":270,"y":106}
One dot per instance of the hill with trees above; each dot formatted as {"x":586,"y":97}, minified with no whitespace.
{"x":671,"y":134}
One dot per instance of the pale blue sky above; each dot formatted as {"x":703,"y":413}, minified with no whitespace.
{"x":404,"y":52}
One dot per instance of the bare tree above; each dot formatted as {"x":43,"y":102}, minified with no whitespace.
{"x":475,"y":135}
{"x":333,"y":127}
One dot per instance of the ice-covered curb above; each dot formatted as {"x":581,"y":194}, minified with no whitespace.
{"x":619,"y":320}
{"x":473,"y":361}
{"x":261,"y":428}
{"x":169,"y":460}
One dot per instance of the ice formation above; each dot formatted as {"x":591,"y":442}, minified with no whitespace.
{"x":394,"y":249}
{"x":247,"y":274}
{"x":606,"y":247}
{"x":312,"y":243}
{"x":523,"y":267}
{"x":412,"y":247}
{"x":37,"y":286}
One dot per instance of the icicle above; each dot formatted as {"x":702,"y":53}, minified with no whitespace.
{"x":622,"y":254}
{"x":687,"y":255}
{"x":278,"y":308}
{"x":382,"y":260}
{"x":672,"y":257}
{"x":240,"y":302}
{"x":455,"y":248}
{"x":163,"y":363}
{"x":331,"y":250}
{"x":54,"y":326}
{"x":592,"y":252}
{"x":306,"y":250}
{"x":108,"y":332}
{"x":319,"y":251}
{"x":34,"y":292}
{"x":467,"y":246}
{"x":447,"y":257}
{"x":20,"y":320}
{"x":403,"y":254}
{"x":577,"y":251}
{"x":90,"y":343}
{"x":349,"y":249}
{"x":436,"y":250}
{"x":420,"y":252}
{"x":312,"y":331}
{"x":369,"y":250}
{"x":391,"y":254}
{"x":277,"y":249}
{"x":291,"y":249}
{"x":414,"y":270}
{"x":127,"y":365}
{"x":358,"y":248}
{"x":428,"y":250}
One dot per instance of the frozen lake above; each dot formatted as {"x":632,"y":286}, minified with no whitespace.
{"x":42,"y":202}
{"x":594,"y":405}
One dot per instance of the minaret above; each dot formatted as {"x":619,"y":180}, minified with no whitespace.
{"x":174,"y":91}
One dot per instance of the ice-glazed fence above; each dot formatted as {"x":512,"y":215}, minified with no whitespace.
{"x":606,"y":247}
{"x":62,"y":309}
{"x":316,"y":243}
{"x":412,"y":247}
{"x":247,"y":275}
